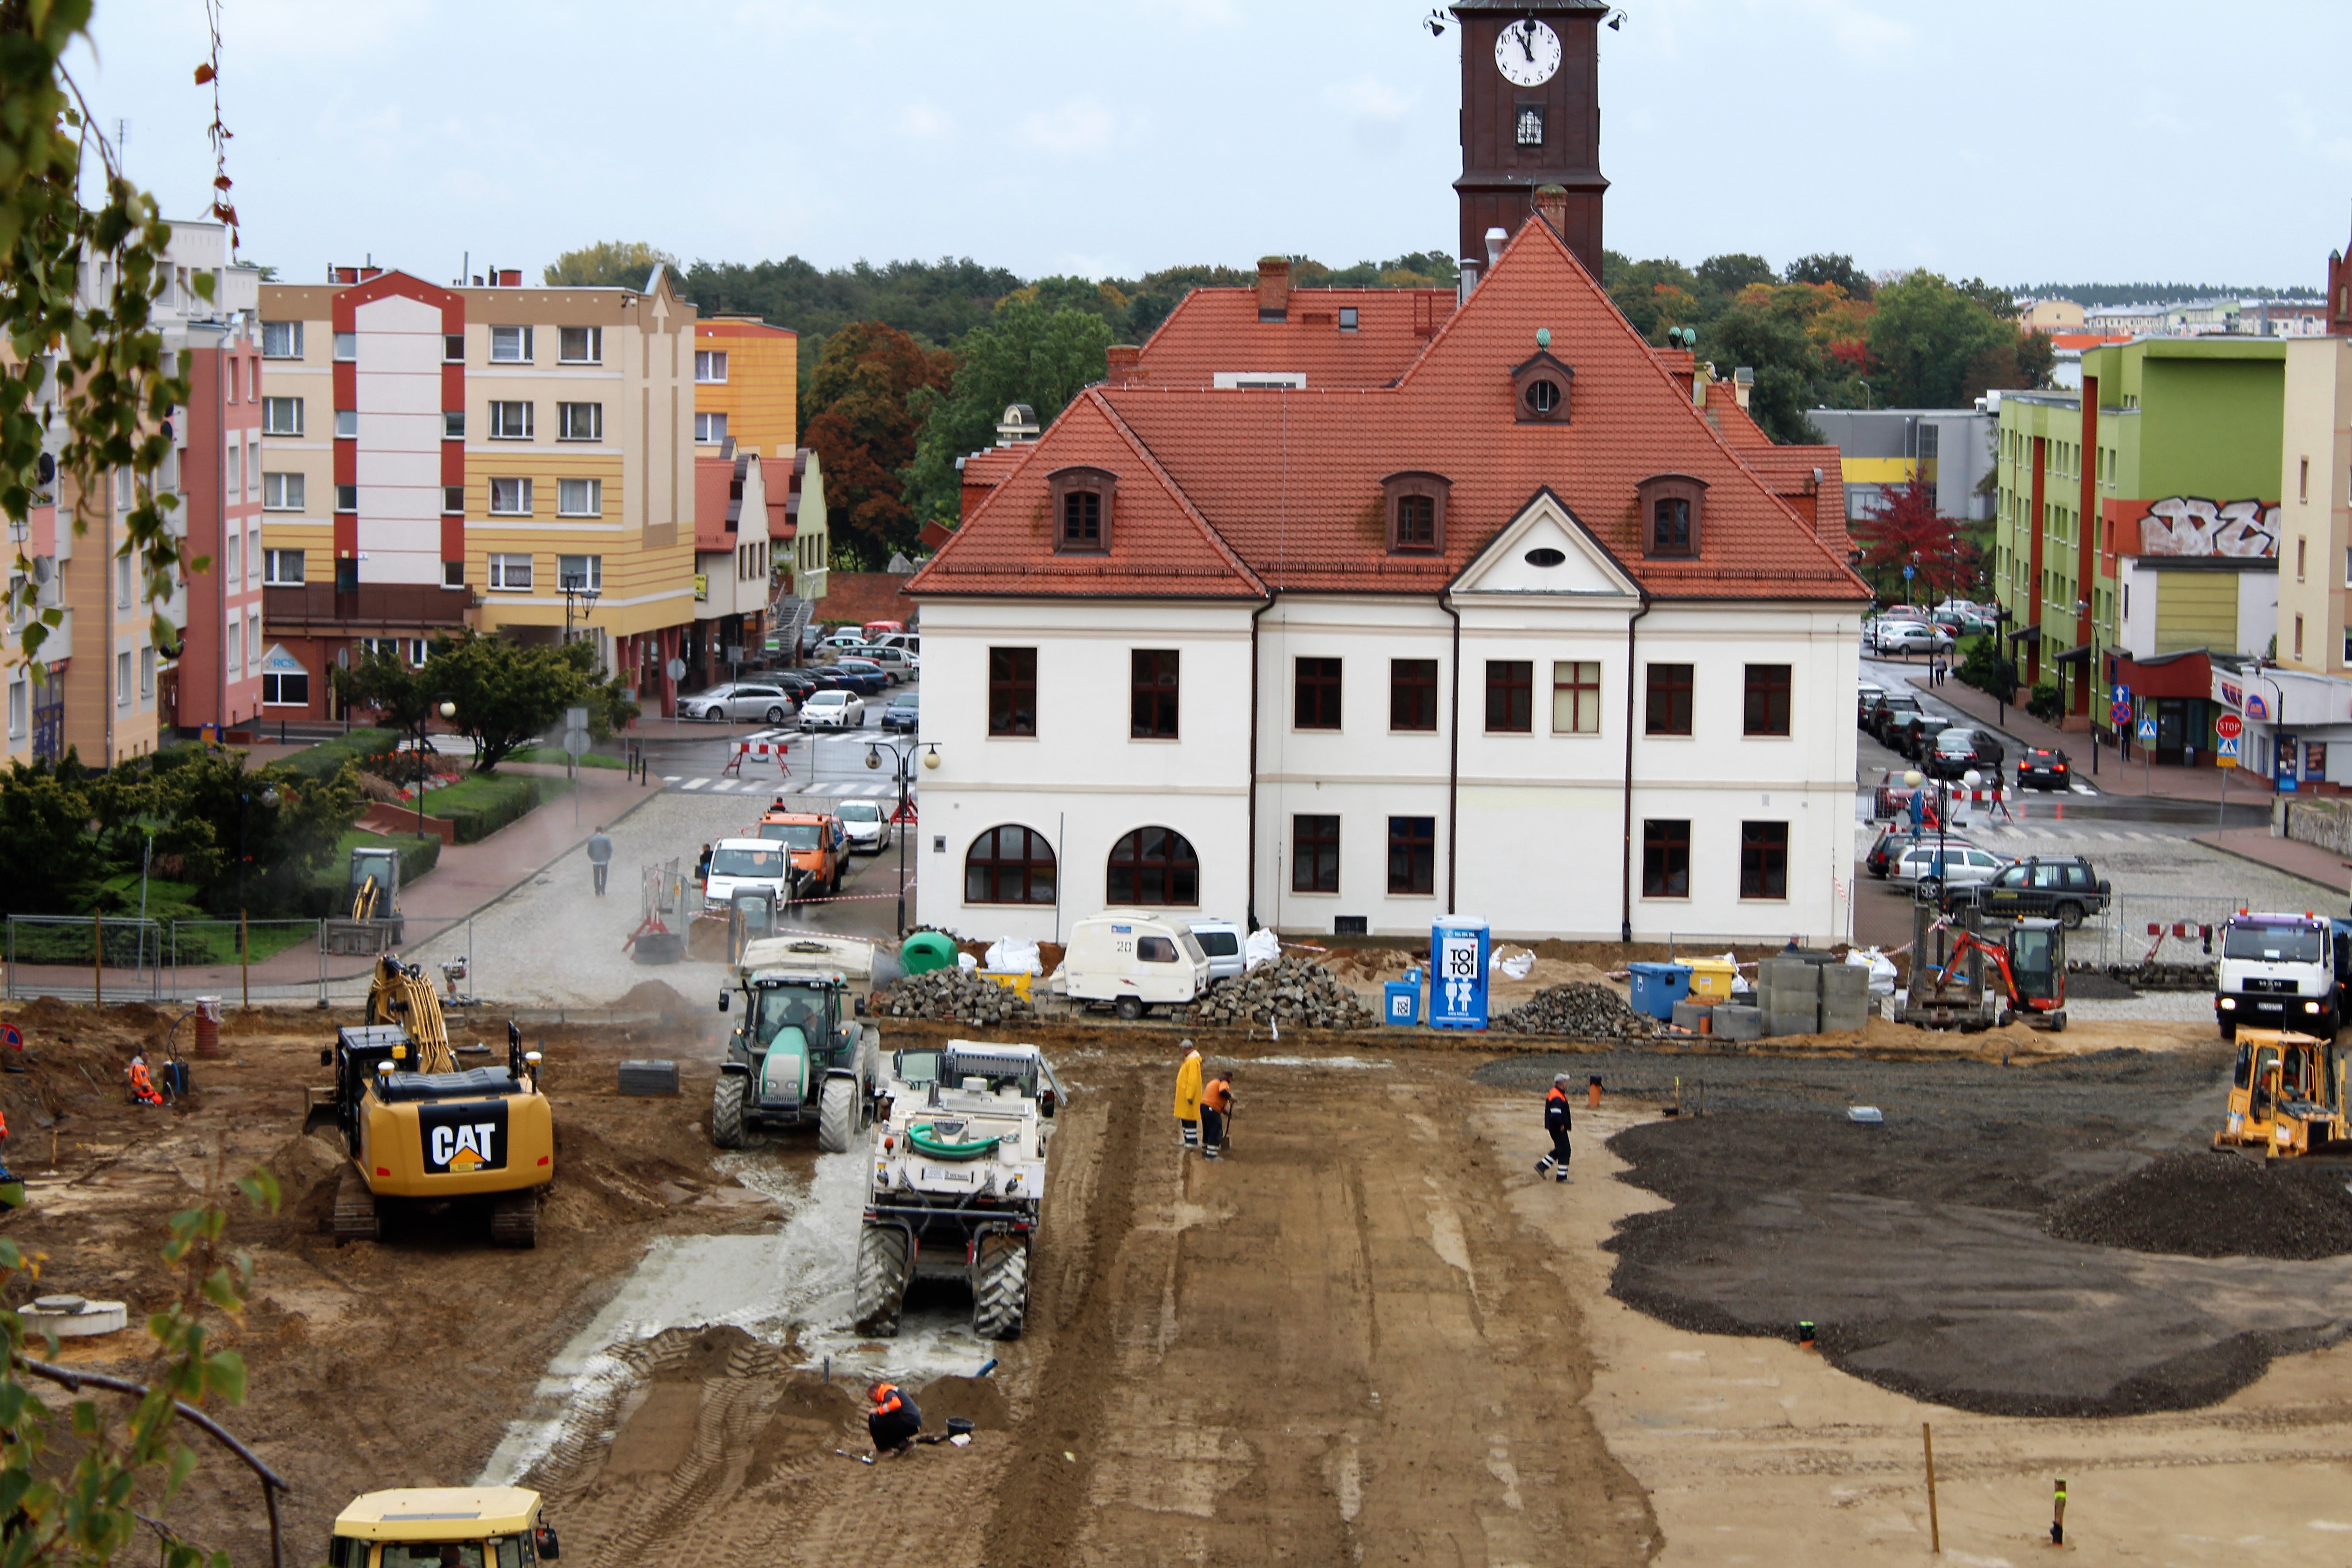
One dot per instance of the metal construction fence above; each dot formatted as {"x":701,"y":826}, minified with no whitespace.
{"x":323,"y":962}
{"x":2137,"y":928}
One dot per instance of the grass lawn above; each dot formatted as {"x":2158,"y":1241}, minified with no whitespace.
{"x":554,"y":754}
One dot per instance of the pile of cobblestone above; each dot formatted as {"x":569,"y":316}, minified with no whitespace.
{"x":954,"y":995}
{"x":1295,"y":990}
{"x":1580,"y":1009}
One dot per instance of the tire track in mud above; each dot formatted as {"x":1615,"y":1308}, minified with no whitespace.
{"x":1042,"y":1495}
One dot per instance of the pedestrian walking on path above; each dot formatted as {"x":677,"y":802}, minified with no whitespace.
{"x":1188,"y":1097}
{"x":600,"y":857}
{"x":1216,"y":1112}
{"x":1556,"y":1121}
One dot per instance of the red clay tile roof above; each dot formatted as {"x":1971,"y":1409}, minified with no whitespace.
{"x":1215,"y":329}
{"x":993,"y":465}
{"x":1228,"y":494}
{"x":1804,"y":477}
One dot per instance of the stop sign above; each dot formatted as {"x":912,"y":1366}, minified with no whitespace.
{"x":2228,"y":726}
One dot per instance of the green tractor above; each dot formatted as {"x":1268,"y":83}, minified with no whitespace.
{"x":803,"y":1053}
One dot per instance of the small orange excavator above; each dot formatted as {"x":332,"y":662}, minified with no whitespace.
{"x":2025,"y":964}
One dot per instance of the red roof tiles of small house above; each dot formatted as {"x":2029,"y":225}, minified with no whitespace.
{"x":1222,"y":491}
{"x":1216,"y":331}
{"x":714,"y":485}
{"x":1798,"y":475}
{"x":992,"y":465}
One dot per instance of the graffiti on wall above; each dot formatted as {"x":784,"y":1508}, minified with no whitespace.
{"x":2191,"y":525}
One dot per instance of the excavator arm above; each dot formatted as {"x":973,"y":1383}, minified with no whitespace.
{"x":401,"y":995}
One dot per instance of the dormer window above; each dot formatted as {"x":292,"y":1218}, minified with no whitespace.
{"x":1416,"y":512}
{"x":1541,"y":389}
{"x":1082,"y":510}
{"x":1669,"y":506}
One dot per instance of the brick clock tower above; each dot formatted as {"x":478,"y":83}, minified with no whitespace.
{"x":1530,"y":117}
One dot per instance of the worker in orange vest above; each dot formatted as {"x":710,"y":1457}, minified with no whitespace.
{"x":1556,"y":1121}
{"x":1188,"y":1097}
{"x":1216,"y":1112}
{"x":142,"y":1087}
{"x":894,"y":1420}
{"x":7,"y":1175}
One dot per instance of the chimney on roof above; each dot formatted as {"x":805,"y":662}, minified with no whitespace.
{"x":511,"y":278}
{"x":1552,"y":205}
{"x":1743,"y":384}
{"x":1495,"y":240}
{"x":1274,"y":288}
{"x":1126,"y":365}
{"x":1469,"y":281}
{"x":1682,"y":364}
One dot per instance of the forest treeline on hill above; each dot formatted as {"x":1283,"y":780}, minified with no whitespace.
{"x":906,"y":366}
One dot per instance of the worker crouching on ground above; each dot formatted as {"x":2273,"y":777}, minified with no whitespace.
{"x":1216,"y":1112}
{"x":143,"y":1086}
{"x":1188,"y":1097}
{"x":1555,"y":1123}
{"x":894,"y":1420}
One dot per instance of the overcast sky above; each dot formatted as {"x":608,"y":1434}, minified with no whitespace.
{"x":2026,"y":141}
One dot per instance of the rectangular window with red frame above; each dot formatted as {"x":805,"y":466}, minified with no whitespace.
{"x":1153,"y":687}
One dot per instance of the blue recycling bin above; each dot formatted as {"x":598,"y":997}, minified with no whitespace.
{"x":1658,"y":986}
{"x":1459,"y":951}
{"x":1403,"y":1000}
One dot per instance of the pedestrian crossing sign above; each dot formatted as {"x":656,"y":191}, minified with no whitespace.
{"x":2148,"y":728}
{"x":2229,"y":747}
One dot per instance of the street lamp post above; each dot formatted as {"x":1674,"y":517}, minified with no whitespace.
{"x":1969,"y":780}
{"x":441,"y":703}
{"x":575,"y":592}
{"x":903,"y":761}
{"x":243,"y":944}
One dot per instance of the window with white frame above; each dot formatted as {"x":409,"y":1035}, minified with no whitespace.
{"x":146,"y":672}
{"x":509,"y":498}
{"x":580,"y":345}
{"x":284,"y":688}
{"x":281,"y":417}
{"x":123,"y":582}
{"x":253,"y":642}
{"x":236,"y":648}
{"x":453,"y":347}
{"x":579,"y":421}
{"x":347,"y":498}
{"x":580,"y":497}
{"x":233,"y":560}
{"x":453,"y":500}
{"x":282,"y":340}
{"x":510,"y":573}
{"x":122,"y":679}
{"x":19,"y":696}
{"x":583,"y":572}
{"x":252,"y":555}
{"x":347,"y":424}
{"x":235,"y":458}
{"x":710,"y":364}
{"x":510,"y":345}
{"x":512,"y":421}
{"x":282,"y":568}
{"x":410,"y":649}
{"x":252,"y":468}
{"x":709,"y":429}
{"x":453,"y":425}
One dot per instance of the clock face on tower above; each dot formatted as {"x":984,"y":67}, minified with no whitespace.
{"x":1527,"y":52}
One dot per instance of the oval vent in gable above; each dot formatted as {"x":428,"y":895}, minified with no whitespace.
{"x":1546,"y":556}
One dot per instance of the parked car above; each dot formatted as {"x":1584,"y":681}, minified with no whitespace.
{"x":2043,"y":767}
{"x":1133,"y":960}
{"x":1918,"y":734}
{"x":1957,"y":750}
{"x":2060,"y":887}
{"x":1866,"y":697}
{"x":738,"y":700}
{"x":834,"y":710}
{"x":1222,"y":941}
{"x":896,"y":662}
{"x":866,"y":825}
{"x":905,"y":712}
{"x":1949,"y":862}
{"x":1892,"y":840}
{"x":912,"y":641}
{"x":1894,"y":710}
{"x":847,"y":637}
{"x":1911,"y":636}
{"x":866,"y":678}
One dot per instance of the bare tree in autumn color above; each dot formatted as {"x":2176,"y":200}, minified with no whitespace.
{"x":1907,"y":530}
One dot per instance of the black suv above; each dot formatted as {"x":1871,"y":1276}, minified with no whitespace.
{"x":1891,"y":712}
{"x":1917,"y":734}
{"x":2062,"y":887}
{"x":1955,"y":751}
{"x":2040,"y":767}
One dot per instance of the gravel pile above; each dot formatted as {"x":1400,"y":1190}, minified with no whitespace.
{"x":1295,"y":990}
{"x":2214,"y":1206}
{"x":1586,"y":1011}
{"x":951,"y":993}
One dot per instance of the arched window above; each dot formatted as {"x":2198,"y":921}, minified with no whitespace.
{"x":1009,"y":866}
{"x":1154,"y":867}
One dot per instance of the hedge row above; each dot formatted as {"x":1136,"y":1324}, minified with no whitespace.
{"x":327,"y":758}
{"x":483,"y":803}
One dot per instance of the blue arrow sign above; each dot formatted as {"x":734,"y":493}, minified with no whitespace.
{"x":2229,"y":748}
{"x":2148,"y":728}
{"x":2119,"y":694}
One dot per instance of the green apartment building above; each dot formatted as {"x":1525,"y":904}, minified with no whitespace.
{"x":2138,"y":519}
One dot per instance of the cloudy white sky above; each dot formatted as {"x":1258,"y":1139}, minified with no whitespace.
{"x":2026,"y":141}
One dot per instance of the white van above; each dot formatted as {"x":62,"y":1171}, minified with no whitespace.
{"x":1221,"y":940}
{"x":745,"y":863}
{"x":1133,"y":960}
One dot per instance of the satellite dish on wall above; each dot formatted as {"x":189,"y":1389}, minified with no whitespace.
{"x":42,"y":570}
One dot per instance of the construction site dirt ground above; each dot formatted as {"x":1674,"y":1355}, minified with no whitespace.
{"x":1372,"y":1335}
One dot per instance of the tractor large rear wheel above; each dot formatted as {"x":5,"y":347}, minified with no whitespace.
{"x":836,"y":1113}
{"x":726,"y":1109}
{"x":1000,"y":1286}
{"x":882,"y":1260}
{"x":514,"y":1218}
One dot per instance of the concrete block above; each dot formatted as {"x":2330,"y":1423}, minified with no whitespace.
{"x":1738,"y":1024}
{"x":1788,"y":979}
{"x":1845,"y":1006}
{"x":1693,"y":1016}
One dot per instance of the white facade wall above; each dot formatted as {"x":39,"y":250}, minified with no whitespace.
{"x":1540,"y":817}
{"x":397,"y":385}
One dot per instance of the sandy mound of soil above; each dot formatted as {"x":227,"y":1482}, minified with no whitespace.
{"x":659,"y":997}
{"x":597,"y":1184}
{"x":2209,"y":1206}
{"x":1367,"y":965}
{"x":709,"y":1356}
{"x":977,"y":1399}
{"x":309,"y":1169}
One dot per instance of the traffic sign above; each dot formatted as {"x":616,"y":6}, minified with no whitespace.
{"x":2119,"y":714}
{"x":575,"y":743}
{"x":1908,"y":572}
{"x":2228,"y":726}
{"x":2119,"y":694}
{"x":677,"y":669}
{"x":2229,"y":746}
{"x":2148,"y":728}
{"x":12,"y":1036}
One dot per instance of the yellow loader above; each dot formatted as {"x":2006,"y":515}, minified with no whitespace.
{"x":2287,"y":1098}
{"x":421,"y":1131}
{"x":424,"y":1527}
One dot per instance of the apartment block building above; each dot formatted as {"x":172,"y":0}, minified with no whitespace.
{"x":513,"y":460}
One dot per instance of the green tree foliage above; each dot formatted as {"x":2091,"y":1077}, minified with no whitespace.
{"x":862,"y":426}
{"x":87,"y":379}
{"x":1828,"y":268}
{"x":49,"y":856}
{"x":1027,"y":352}
{"x":207,"y":810}
{"x":1907,"y":530}
{"x":1926,"y":337}
{"x":1727,"y":275}
{"x":1766,"y":331}
{"x":608,"y":264}
{"x":507,"y":694}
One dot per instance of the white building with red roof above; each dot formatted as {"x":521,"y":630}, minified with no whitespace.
{"x":1513,"y":617}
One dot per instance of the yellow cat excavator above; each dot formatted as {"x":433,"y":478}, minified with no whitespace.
{"x":424,"y":1133}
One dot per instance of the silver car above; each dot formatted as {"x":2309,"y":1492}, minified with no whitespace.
{"x":866,"y":825}
{"x":1964,"y":865}
{"x":739,"y":699}
{"x":834,"y":710}
{"x":1910,"y":637}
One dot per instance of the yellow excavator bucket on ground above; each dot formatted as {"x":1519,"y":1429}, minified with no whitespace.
{"x":401,"y":995}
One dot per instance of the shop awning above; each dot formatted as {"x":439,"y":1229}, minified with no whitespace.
{"x":2074,"y":656}
{"x":2026,"y":633}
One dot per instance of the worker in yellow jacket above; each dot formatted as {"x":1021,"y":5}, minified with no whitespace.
{"x":1187,"y":1096}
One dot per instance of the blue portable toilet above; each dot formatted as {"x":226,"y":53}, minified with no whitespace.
{"x":1658,"y":986}
{"x":1459,"y":950}
{"x":1403,"y":998}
